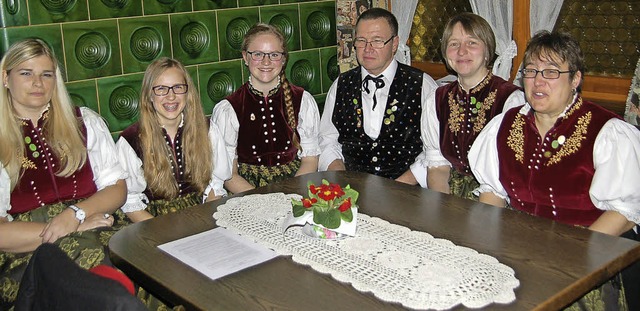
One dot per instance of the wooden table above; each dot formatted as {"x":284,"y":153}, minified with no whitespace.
{"x":556,"y":264}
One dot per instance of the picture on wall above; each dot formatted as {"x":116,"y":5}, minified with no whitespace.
{"x":348,"y":12}
{"x":632,"y":111}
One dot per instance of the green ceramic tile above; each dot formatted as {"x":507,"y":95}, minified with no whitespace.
{"x":56,"y":11}
{"x":285,"y":17}
{"x":232,"y":26}
{"x":329,"y":66}
{"x":92,"y":49}
{"x":14,"y":13}
{"x":48,"y":33}
{"x":303,"y":69}
{"x":320,"y":99}
{"x":294,"y":1}
{"x":119,"y":99}
{"x":84,"y":94}
{"x":319,"y":24}
{"x":201,"y":5}
{"x":142,"y":40}
{"x":114,"y":8}
{"x":194,"y":37}
{"x":166,"y":6}
{"x":256,"y":2}
{"x":217,"y":81}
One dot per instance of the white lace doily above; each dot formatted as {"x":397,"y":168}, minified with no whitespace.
{"x":393,"y":262}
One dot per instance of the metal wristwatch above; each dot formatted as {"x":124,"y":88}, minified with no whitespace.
{"x":80,"y":214}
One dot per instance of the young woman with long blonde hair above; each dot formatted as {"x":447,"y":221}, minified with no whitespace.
{"x":175,"y":158}
{"x":59,"y":182}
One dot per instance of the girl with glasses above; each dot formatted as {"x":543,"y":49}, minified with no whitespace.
{"x":174,"y":156}
{"x":270,"y":126}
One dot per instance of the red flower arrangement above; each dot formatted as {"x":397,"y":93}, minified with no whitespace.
{"x":329,"y":203}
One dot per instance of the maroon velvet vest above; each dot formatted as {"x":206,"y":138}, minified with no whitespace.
{"x":550,"y":177}
{"x":265,"y":137}
{"x":463,"y":115}
{"x":38,"y":185}
{"x":131,"y":134}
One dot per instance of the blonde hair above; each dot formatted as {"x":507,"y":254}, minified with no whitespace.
{"x":196,"y":146}
{"x":259,"y":29}
{"x":61,"y":127}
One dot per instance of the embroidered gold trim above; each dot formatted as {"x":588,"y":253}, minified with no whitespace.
{"x":516,"y":138}
{"x":27,"y":164}
{"x":481,"y":120}
{"x":455,"y":118}
{"x":482,"y":84}
{"x":574,"y":142}
{"x":575,"y":107}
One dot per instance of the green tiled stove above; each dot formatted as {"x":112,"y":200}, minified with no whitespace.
{"x":104,"y":46}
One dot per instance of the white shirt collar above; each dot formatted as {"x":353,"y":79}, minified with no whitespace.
{"x":388,"y":73}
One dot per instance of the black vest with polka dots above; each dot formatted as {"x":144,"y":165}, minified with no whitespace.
{"x":398,"y":144}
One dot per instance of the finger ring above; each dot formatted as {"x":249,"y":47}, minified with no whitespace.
{"x":107,"y":216}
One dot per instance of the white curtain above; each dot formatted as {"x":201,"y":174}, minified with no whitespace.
{"x":542,"y":16}
{"x":404,"y":11}
{"x":499,"y":14}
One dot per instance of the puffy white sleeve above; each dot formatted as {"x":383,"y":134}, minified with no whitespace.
{"x":136,"y":184}
{"x":514,"y":100}
{"x":309,"y":126}
{"x":221,"y":164}
{"x":431,"y":134}
{"x":101,"y":148}
{"x":330,"y":148}
{"x":616,"y":156}
{"x":483,"y":159}
{"x":224,"y":117}
{"x":419,"y":166}
{"x":5,"y":192}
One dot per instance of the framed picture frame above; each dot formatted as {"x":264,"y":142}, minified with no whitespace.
{"x":632,"y":110}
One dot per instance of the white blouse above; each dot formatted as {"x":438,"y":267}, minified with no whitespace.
{"x":100,"y":150}
{"x":616,"y":157}
{"x":308,"y":126}
{"x":431,"y":128}
{"x":136,"y":184}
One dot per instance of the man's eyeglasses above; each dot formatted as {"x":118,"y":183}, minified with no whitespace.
{"x":162,"y":90}
{"x":259,"y":56}
{"x":546,"y":73}
{"x":375,"y":43}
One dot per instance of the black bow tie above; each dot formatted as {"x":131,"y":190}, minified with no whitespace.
{"x":379,"y":83}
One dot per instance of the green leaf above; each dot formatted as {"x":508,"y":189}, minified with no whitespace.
{"x":347,"y":215}
{"x":328,"y":218}
{"x":351,"y":193}
{"x":325,"y":182}
{"x":297,"y":208}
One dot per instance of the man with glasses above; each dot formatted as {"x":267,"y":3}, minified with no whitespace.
{"x":371,"y":119}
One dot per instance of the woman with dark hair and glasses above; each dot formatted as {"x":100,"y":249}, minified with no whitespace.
{"x":269,"y":125}
{"x":174,"y":156}
{"x":560,"y":156}
{"x":456,"y":113}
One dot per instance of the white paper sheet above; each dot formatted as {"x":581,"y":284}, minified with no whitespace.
{"x":218,"y":252}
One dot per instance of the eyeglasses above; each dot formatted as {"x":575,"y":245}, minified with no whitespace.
{"x":162,"y":90}
{"x":546,"y":73}
{"x":376,"y":43}
{"x":259,"y":56}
